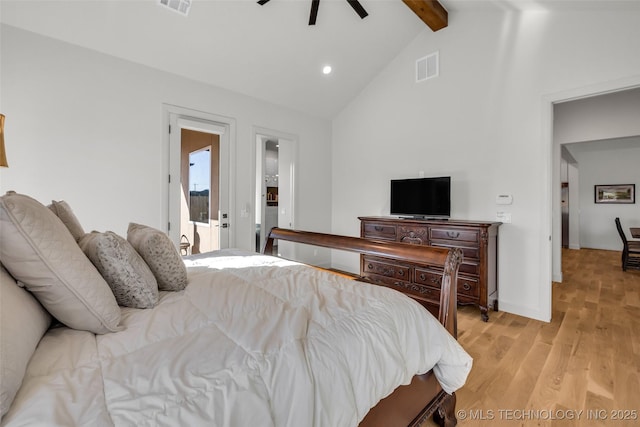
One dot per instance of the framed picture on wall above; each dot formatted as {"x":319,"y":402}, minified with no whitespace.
{"x":619,"y":193}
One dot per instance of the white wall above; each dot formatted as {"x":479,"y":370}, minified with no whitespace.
{"x":606,"y":162}
{"x":612,"y":115}
{"x":482,"y":122}
{"x":87,"y":127}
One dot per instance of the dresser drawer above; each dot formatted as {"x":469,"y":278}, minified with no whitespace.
{"x":428,"y":277}
{"x":374,"y":230}
{"x":468,"y":252}
{"x":454,"y":234}
{"x":386,"y":269}
{"x":470,"y":268}
{"x":410,"y":289}
{"x":414,"y":235}
{"x":467,"y":286}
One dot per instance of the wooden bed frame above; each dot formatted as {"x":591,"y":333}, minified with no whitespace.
{"x":409,"y":405}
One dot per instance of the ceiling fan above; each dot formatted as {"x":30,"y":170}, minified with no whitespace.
{"x":431,"y":12}
{"x":315,"y":4}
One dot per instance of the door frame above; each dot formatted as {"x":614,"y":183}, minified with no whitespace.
{"x":551,"y":206}
{"x":173,"y":119}
{"x":258,"y":131}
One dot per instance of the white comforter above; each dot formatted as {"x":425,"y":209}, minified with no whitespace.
{"x":252,"y":341}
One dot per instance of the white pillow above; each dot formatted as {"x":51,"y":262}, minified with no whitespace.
{"x":39,"y":251}
{"x":131,"y":281}
{"x":23,"y":322}
{"x":68,"y":218}
{"x":161,"y":256}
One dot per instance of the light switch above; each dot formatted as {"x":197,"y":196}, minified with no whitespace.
{"x":504,"y":217}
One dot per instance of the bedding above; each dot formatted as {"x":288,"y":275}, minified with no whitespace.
{"x":23,"y":322}
{"x":253,"y":340}
{"x":38,"y":250}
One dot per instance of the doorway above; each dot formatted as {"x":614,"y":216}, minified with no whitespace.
{"x":199,"y":189}
{"x":554,"y":203}
{"x":275,"y":186}
{"x":569,"y":199}
{"x":199,"y":178}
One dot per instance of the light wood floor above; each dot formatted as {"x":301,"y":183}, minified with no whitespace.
{"x":581,"y":369}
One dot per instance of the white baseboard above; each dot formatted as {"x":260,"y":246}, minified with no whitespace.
{"x":529,"y":312}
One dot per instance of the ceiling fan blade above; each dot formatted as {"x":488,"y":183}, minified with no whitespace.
{"x":314,"y":11}
{"x":262,"y":2}
{"x":355,"y":4}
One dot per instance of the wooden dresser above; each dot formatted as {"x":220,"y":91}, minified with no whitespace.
{"x":477,"y":278}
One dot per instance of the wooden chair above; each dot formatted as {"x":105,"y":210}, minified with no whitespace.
{"x":630,"y":250}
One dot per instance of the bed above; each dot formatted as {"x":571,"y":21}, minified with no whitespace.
{"x":250,"y":340}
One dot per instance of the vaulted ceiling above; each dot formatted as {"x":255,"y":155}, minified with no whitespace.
{"x":264,"y":51}
{"x":268,"y":52}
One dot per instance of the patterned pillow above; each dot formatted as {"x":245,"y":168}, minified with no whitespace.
{"x":125,"y":271}
{"x":39,"y":251}
{"x":68,"y":218}
{"x":161,"y":256}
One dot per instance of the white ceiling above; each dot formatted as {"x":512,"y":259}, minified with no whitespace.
{"x":267,"y":52}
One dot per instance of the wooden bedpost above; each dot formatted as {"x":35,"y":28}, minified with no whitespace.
{"x":448,"y":292}
{"x":445,"y":415}
{"x":268,"y":246}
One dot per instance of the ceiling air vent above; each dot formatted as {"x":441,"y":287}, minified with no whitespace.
{"x":180,"y":6}
{"x":427,"y":67}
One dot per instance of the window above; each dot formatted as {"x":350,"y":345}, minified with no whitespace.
{"x":200,"y":185}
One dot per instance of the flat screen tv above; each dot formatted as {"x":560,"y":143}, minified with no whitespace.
{"x":421,"y":197}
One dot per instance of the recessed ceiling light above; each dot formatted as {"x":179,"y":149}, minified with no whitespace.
{"x":326,"y":69}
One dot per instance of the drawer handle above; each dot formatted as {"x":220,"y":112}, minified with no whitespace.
{"x":453,"y":234}
{"x":435,"y":280}
{"x":412,"y":240}
{"x":378,"y":228}
{"x":466,"y":286}
{"x":401,"y":273}
{"x":370,"y":266}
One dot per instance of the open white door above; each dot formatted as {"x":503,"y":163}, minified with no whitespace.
{"x":177,"y":199}
{"x":275,"y":184}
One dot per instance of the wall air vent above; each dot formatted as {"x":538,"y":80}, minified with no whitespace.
{"x":428,"y":67}
{"x":180,"y":6}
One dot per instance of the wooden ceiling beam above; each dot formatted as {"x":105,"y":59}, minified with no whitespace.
{"x":431,"y":12}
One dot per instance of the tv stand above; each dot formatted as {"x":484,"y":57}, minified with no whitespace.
{"x":477,"y":278}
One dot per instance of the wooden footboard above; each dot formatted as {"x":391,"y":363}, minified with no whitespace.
{"x":412,"y":404}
